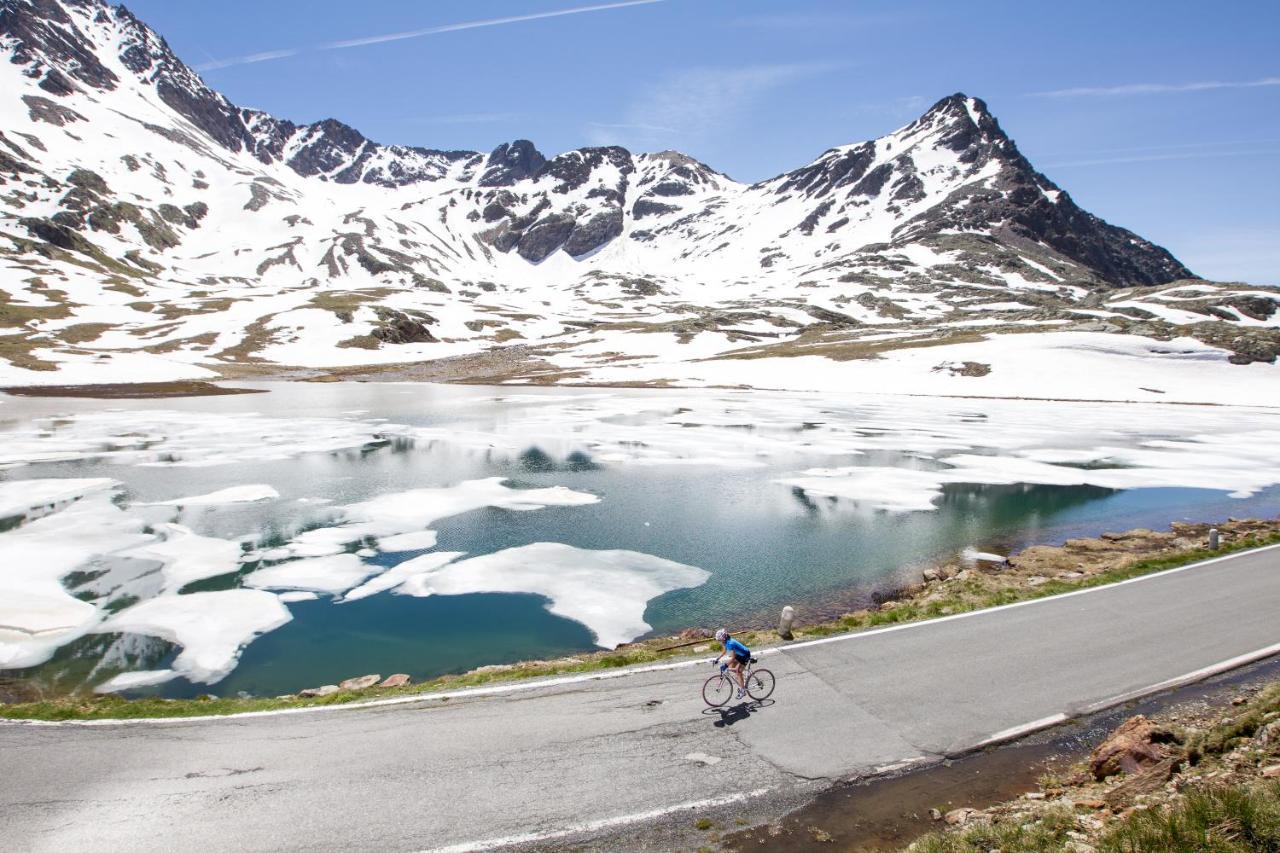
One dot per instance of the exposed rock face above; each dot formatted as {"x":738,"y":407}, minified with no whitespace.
{"x":545,"y":236}
{"x":511,"y":162}
{"x":1135,"y":746}
{"x":400,"y":327}
{"x":1030,"y":206}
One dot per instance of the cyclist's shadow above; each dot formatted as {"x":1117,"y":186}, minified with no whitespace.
{"x":736,"y":714}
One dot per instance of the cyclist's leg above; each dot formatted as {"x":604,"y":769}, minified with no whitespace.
{"x":736,"y":666}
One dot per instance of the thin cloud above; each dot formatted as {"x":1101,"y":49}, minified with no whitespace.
{"x":427,"y":31}
{"x":1156,"y":88}
{"x":695,"y":104}
{"x":1155,"y":149}
{"x":1154,"y":158}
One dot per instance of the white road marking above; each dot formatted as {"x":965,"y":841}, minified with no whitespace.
{"x":1015,"y":732}
{"x":537,"y":684}
{"x":1181,"y":680}
{"x":597,"y":825}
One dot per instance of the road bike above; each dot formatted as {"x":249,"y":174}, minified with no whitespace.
{"x":720,"y":688}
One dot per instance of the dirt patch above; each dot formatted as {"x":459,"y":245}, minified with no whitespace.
{"x":131,"y":391}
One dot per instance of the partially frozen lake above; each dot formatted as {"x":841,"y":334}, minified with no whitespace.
{"x":276,"y":541}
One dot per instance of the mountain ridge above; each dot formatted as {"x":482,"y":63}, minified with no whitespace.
{"x":124,"y":173}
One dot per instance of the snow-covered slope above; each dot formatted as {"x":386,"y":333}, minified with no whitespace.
{"x":151,"y":229}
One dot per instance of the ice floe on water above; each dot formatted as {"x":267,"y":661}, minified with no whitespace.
{"x":333,"y":574}
{"x":1240,"y":465}
{"x":192,"y":439}
{"x":398,"y":575}
{"x":37,"y":612}
{"x":189,"y":557}
{"x":393,"y":515}
{"x":211,"y":627}
{"x":230,"y":495}
{"x":21,"y":497}
{"x":137,"y":678}
{"x":607,"y":591}
{"x":419,"y":541}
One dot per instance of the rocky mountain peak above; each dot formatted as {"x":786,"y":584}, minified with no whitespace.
{"x":511,"y":162}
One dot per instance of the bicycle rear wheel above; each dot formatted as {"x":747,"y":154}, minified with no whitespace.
{"x":717,"y":691}
{"x":760,"y":684}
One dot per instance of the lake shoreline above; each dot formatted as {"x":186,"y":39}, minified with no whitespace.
{"x":944,"y":589}
{"x":403,"y":373}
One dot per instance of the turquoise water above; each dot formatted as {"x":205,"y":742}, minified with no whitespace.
{"x":764,"y":544}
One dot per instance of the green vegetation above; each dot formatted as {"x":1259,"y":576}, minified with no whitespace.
{"x":962,"y":596}
{"x":1235,"y":730}
{"x":1047,"y":834}
{"x":1220,"y":819}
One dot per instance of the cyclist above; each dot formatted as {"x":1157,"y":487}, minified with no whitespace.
{"x":739,"y":656}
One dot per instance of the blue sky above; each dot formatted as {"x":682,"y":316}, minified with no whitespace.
{"x":1163,"y":118}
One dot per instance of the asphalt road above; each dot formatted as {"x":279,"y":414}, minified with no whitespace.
{"x":612,"y":756}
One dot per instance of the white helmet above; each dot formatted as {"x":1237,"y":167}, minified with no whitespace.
{"x":721,"y":634}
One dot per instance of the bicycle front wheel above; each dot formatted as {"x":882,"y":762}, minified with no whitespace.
{"x":760,"y":684}
{"x":717,"y":691}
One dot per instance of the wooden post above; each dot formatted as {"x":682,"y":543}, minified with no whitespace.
{"x":785,"y":622}
{"x":1213,"y":538}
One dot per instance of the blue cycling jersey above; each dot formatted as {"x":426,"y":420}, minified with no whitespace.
{"x":737,"y":649}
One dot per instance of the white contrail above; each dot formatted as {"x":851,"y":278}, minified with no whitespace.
{"x":265,"y":56}
{"x":490,"y":22}
{"x":412,"y":34}
{"x":1158,"y":88}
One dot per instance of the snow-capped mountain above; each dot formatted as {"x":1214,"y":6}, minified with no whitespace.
{"x":151,"y":229}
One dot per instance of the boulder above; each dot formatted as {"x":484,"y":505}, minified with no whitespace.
{"x":397,"y":680}
{"x":1147,"y":781}
{"x":361,"y":683}
{"x":959,"y":817}
{"x":313,"y":692}
{"x":1272,"y":772}
{"x":1137,"y":745}
{"x":696,"y":634}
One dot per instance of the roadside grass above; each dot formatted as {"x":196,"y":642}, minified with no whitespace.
{"x":1047,"y":835}
{"x":1235,"y":730}
{"x":1223,"y":819}
{"x":960,"y":597}
{"x":1217,"y":811}
{"x":964,"y":596}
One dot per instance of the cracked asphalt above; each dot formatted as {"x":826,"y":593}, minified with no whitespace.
{"x":543,"y":761}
